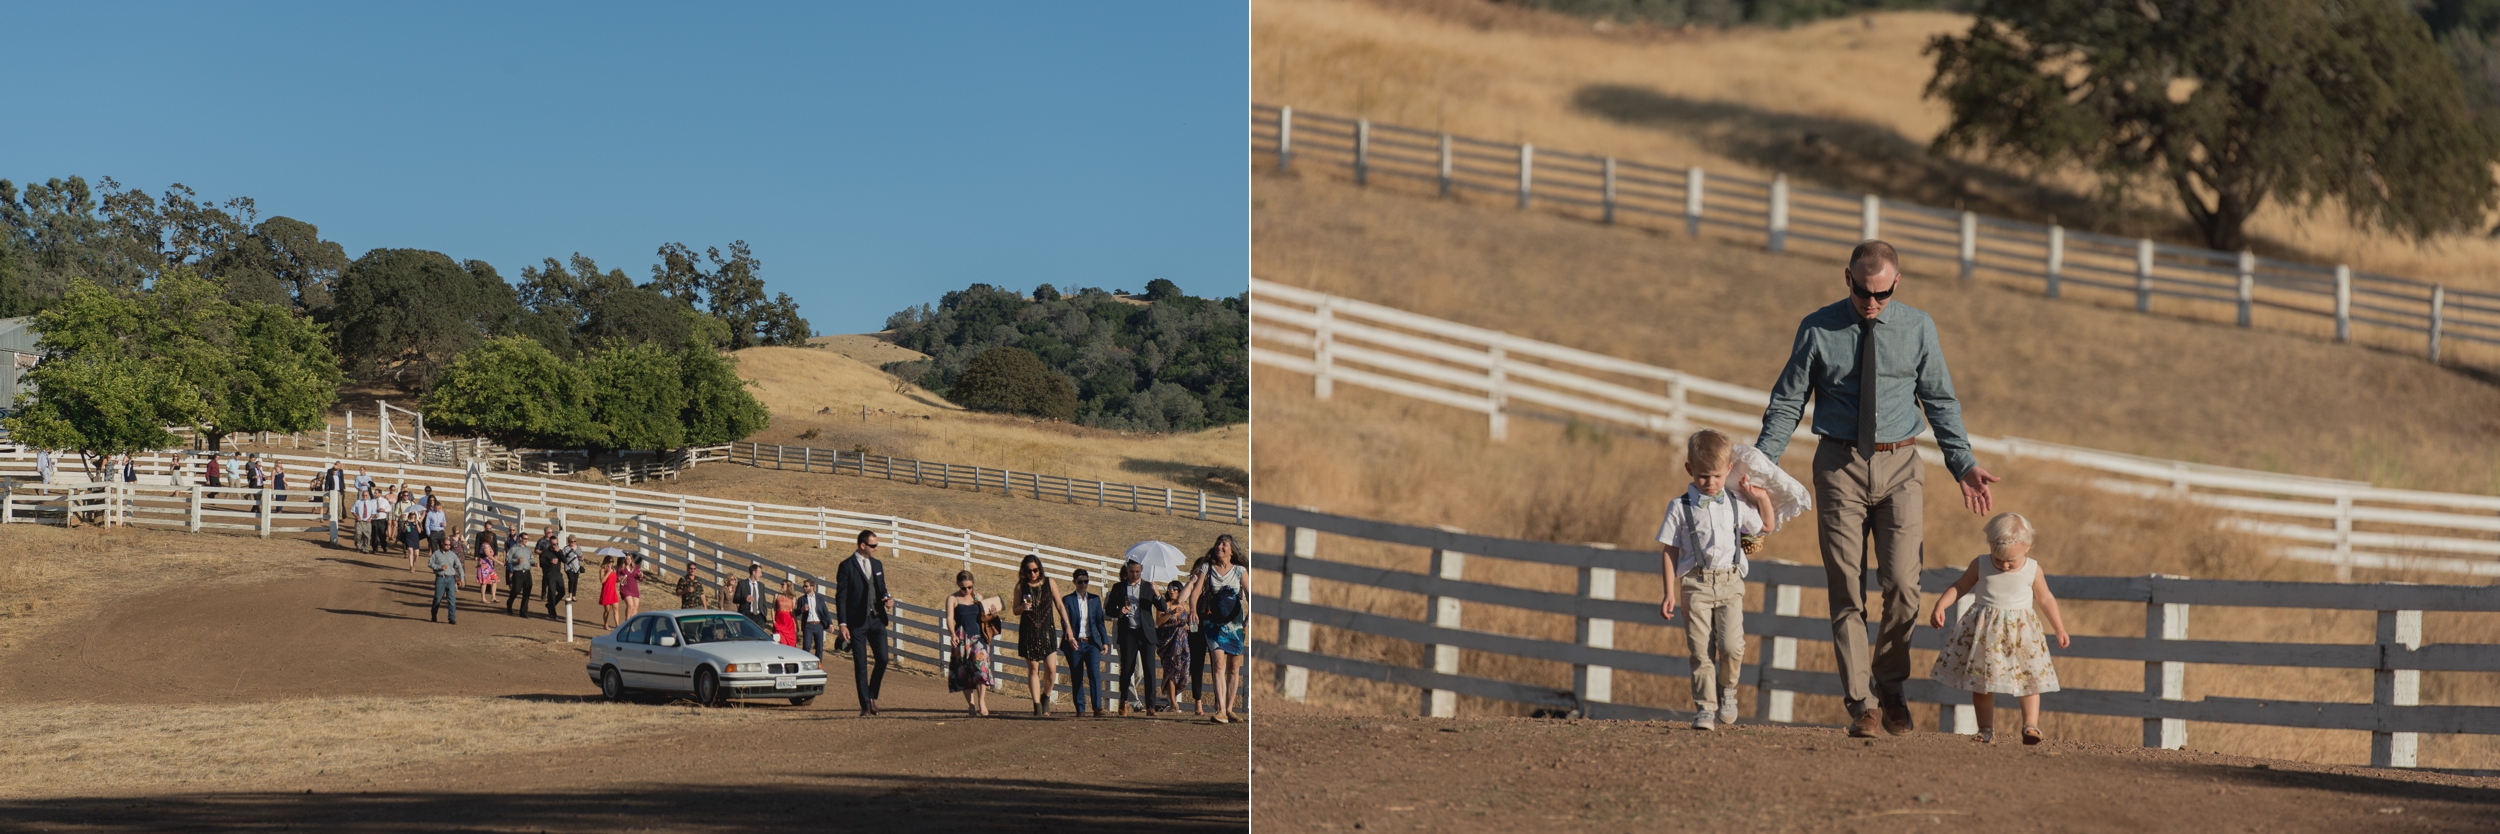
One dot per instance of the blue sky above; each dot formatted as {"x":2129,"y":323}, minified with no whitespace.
{"x":874,"y":155}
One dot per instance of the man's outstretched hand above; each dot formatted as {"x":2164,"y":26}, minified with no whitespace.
{"x":1975,"y":489}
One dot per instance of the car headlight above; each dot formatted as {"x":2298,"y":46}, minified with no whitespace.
{"x":809,"y":666}
{"x":746,"y":667}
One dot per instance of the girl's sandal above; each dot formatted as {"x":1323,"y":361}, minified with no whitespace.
{"x":1987,"y":735}
{"x":2031,"y":734}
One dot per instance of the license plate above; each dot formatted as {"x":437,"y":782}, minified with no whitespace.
{"x":786,"y":682}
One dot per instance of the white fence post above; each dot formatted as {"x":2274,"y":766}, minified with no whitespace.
{"x":1284,"y":139}
{"x":1322,"y":385}
{"x":2164,"y":680}
{"x":1694,"y":183}
{"x":195,"y":507}
{"x":1775,"y":232}
{"x":2343,"y":537}
{"x":1610,"y":190}
{"x":2399,"y":633}
{"x":1527,"y":172}
{"x":1970,"y":245}
{"x":1445,"y":165}
{"x":1362,"y":151}
{"x":2248,"y":284}
{"x":1589,"y":683}
{"x":1497,"y":393}
{"x":1300,"y":543}
{"x":265,"y":495}
{"x":1202,"y":505}
{"x":1450,"y":565}
{"x":2439,"y":306}
{"x":2343,"y":304}
{"x":1870,"y":217}
{"x":2144,"y":275}
{"x":2057,"y":257}
{"x":1772,"y":703}
{"x":1958,"y":717}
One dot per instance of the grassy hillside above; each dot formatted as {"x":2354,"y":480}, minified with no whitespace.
{"x":1834,"y":103}
{"x":822,"y":390}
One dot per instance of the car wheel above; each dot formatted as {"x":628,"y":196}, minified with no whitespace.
{"x":611,"y":686}
{"x":706,"y":688}
{"x":800,"y":702}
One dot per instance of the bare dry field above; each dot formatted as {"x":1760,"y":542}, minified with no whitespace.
{"x":1728,"y":313}
{"x":1835,"y":103}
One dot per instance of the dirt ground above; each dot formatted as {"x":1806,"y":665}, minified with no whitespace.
{"x":1319,"y":771}
{"x":333,"y":634}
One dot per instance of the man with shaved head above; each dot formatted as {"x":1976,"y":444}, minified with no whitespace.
{"x":1871,"y":365}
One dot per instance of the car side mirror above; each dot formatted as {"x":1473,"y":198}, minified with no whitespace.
{"x":666,"y":642}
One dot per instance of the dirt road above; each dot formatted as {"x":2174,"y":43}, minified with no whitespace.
{"x":343,"y":624}
{"x":1324,"y":772}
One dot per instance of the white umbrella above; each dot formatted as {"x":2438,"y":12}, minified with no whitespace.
{"x":610,"y":551}
{"x":1161,"y":560}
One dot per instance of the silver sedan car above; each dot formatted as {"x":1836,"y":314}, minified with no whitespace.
{"x":708,"y":655}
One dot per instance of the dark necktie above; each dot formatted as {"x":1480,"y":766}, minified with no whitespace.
{"x":1866,"y":387}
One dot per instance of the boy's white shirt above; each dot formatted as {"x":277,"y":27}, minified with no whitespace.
{"x":1711,"y":538}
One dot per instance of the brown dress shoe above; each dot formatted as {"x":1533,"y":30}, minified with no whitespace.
{"x":1865,"y":726}
{"x":1897,"y":717}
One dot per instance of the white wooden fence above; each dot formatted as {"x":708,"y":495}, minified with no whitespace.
{"x":584,"y":508}
{"x":2396,"y":312}
{"x":1340,"y":340}
{"x":1041,"y":487}
{"x":2395,"y":718}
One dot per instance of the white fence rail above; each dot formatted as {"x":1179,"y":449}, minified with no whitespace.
{"x":582,"y":507}
{"x":1340,"y":340}
{"x":1201,"y":504}
{"x":2395,"y":717}
{"x":2394,"y":312}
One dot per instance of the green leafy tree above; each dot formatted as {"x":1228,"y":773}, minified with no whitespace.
{"x":98,"y":406}
{"x":731,"y":290}
{"x":640,"y":400}
{"x":2226,"y":105}
{"x":282,"y":261}
{"x":402,"y":314}
{"x":719,"y":408}
{"x":1113,"y":350}
{"x":639,"y":315}
{"x":1013,"y":380}
{"x":514,"y":391}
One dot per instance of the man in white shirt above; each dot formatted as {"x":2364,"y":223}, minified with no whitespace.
{"x":815,"y":615}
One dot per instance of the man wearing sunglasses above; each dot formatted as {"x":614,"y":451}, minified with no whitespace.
{"x":1872,"y":365}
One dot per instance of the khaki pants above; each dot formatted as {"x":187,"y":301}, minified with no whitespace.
{"x":1855,"y":497}
{"x":1714,"y":631}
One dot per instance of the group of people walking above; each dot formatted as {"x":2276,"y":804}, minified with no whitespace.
{"x":1171,"y":633}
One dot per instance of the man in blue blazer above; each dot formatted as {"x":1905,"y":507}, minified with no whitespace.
{"x":1090,"y":639}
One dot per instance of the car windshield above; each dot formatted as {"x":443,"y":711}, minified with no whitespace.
{"x":720,"y":628}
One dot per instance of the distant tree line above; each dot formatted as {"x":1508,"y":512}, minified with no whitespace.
{"x":131,"y":290}
{"x":1164,"y":362}
{"x":1723,"y":13}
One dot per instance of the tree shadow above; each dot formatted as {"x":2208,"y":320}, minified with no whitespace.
{"x":363,"y":613}
{"x":1220,"y":480}
{"x":345,"y":561}
{"x":806,"y":800}
{"x":1859,"y":157}
{"x":2484,"y":813}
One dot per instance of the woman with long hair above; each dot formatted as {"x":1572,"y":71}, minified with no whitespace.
{"x":1039,"y":628}
{"x":785,"y":624}
{"x":607,"y":592}
{"x":969,"y":672}
{"x":1229,"y":582}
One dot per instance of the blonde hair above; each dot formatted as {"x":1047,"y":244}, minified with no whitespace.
{"x":1709,"y":448}
{"x":2009,"y":528}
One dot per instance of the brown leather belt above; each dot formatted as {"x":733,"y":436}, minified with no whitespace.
{"x":1880,"y":447}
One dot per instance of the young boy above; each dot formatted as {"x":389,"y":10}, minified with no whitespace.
{"x":1707,"y":534}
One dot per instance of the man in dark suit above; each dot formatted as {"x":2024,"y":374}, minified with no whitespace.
{"x":814,"y":616}
{"x":748,"y":596}
{"x":1085,"y":661}
{"x":862,"y":608}
{"x":1133,"y":604}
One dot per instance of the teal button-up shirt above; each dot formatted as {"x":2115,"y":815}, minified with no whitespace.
{"x":1911,"y":378}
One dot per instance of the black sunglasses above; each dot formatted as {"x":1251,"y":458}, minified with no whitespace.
{"x":1861,"y":291}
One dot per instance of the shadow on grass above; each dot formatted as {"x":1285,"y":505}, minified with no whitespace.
{"x":805,"y":799}
{"x":2482,"y":814}
{"x":358,"y":612}
{"x":1219,"y":480}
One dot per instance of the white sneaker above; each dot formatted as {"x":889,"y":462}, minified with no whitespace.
{"x":1727,"y":706}
{"x":1705,"y":720}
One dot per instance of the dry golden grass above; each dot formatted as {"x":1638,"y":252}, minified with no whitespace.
{"x":870,"y":349}
{"x":800,"y":384}
{"x":1365,"y":454}
{"x":2023,"y":365}
{"x":52,"y":575}
{"x":84,"y":748}
{"x":1740,"y":101}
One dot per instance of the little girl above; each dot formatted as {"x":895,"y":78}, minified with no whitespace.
{"x":1998,"y":646}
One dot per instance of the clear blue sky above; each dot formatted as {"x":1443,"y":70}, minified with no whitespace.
{"x":875,"y":155}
